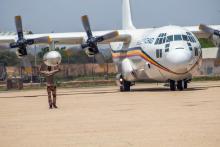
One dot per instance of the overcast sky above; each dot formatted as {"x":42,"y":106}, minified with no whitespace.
{"x":43,"y":16}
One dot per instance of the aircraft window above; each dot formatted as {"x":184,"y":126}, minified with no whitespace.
{"x":161,"y":41}
{"x":161,"y":38}
{"x":148,"y":40}
{"x":190,"y":48}
{"x":164,"y":39}
{"x":188,"y":33}
{"x":167,"y":50}
{"x":185,"y":38}
{"x":177,"y":37}
{"x":157,"y":41}
{"x":159,"y":53}
{"x":191,"y":38}
{"x":167,"y":45}
{"x":169,"y":38}
{"x":196,"y":52}
{"x":164,"y":34}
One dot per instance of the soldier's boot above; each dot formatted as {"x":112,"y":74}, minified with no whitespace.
{"x":50,"y":102}
{"x":54,"y":101}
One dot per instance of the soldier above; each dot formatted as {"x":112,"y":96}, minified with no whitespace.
{"x":51,"y":87}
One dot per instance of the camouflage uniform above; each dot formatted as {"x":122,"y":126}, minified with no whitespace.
{"x":51,"y":87}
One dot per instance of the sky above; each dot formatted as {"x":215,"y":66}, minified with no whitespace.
{"x":44,"y":16}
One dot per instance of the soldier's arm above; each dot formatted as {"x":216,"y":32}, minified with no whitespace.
{"x":54,"y":72}
{"x":46,"y":73}
{"x":41,"y":71}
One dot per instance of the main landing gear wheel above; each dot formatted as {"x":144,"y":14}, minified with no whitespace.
{"x":180,"y":85}
{"x":185,"y":84}
{"x":172,"y":85}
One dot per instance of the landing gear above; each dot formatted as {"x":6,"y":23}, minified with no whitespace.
{"x":172,"y":85}
{"x":180,"y":85}
{"x":185,"y":84}
{"x":125,"y":86}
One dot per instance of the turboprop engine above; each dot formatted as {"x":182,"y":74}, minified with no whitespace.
{"x":52,"y":58}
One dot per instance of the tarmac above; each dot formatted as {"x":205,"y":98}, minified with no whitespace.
{"x":150,"y":115}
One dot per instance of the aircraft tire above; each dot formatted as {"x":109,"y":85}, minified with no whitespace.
{"x":125,"y":87}
{"x":172,"y":85}
{"x":180,"y":85}
{"x":185,"y":84}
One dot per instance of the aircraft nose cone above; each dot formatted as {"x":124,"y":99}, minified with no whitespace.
{"x":179,"y":59}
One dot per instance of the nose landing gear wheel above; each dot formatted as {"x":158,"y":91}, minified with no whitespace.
{"x":126,"y":86}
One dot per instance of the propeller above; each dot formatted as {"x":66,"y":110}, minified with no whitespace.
{"x":22,"y":43}
{"x":209,"y":30}
{"x":92,"y":41}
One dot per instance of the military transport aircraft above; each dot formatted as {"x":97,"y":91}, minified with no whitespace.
{"x":166,"y":54}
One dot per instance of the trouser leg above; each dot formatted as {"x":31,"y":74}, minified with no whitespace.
{"x":49,"y":96}
{"x":54,"y":97}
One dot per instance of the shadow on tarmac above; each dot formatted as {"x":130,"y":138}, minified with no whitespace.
{"x":111,"y":92}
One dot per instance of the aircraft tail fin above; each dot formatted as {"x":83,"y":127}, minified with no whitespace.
{"x":127,"y":23}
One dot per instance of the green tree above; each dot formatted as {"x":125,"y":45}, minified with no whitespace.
{"x":9,"y":58}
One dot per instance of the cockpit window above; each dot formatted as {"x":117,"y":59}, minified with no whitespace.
{"x":161,"y":38}
{"x":191,"y":38}
{"x":185,"y":38}
{"x":177,"y":37}
{"x":169,"y":38}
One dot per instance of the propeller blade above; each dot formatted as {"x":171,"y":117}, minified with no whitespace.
{"x":209,"y":30}
{"x":86,"y":25}
{"x":110,"y":35}
{"x":14,"y":45}
{"x":217,"y":32}
{"x":18,"y":23}
{"x":107,"y":36}
{"x":206,"y":29}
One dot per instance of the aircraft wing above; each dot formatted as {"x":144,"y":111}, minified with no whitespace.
{"x":79,"y":38}
{"x":69,"y":38}
{"x":199,"y":33}
{"x":7,"y":39}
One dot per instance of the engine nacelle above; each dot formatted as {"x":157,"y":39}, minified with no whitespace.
{"x":102,"y":56}
{"x":128,"y":70}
